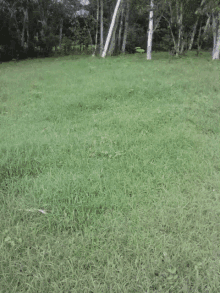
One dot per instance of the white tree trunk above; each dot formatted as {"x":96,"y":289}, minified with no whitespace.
{"x":216,"y":37}
{"x":111,"y":29}
{"x":194,"y":28}
{"x":126,"y":27}
{"x":113,"y":38}
{"x":150,"y":32}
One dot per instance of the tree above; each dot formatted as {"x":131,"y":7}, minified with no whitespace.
{"x":150,"y":32}
{"x":111,"y":28}
{"x":216,"y":36}
{"x":113,"y":37}
{"x":212,"y":7}
{"x":202,"y":36}
{"x":34,"y":24}
{"x":193,"y":34}
{"x":175,"y":23}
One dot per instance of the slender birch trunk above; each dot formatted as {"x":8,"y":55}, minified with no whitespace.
{"x":157,"y":22}
{"x":113,"y":38}
{"x":150,"y":32}
{"x":216,"y":37}
{"x":194,"y":28}
{"x":111,"y":29}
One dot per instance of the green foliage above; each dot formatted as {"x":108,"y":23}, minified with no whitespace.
{"x":46,"y":15}
{"x":51,"y":40}
{"x":139,"y":50}
{"x":67,"y":44}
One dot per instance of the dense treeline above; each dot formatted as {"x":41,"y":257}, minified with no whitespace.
{"x":41,"y":28}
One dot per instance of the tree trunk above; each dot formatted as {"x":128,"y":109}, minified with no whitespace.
{"x":101,"y":27}
{"x":24,"y":27}
{"x":157,"y":23}
{"x":126,"y":27}
{"x":113,"y":43}
{"x":174,"y":41}
{"x":204,"y":34}
{"x":194,"y":27}
{"x":216,"y":37}
{"x":150,"y":32}
{"x":193,"y":34}
{"x":111,"y":29}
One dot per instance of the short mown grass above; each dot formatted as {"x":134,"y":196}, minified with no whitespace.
{"x":109,"y":174}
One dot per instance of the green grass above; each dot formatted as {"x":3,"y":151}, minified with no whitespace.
{"x":121,"y":157}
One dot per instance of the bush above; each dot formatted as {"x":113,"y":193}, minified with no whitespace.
{"x":46,"y":44}
{"x":67,"y":44}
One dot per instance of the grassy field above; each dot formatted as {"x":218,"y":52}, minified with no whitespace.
{"x":109,"y":174}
